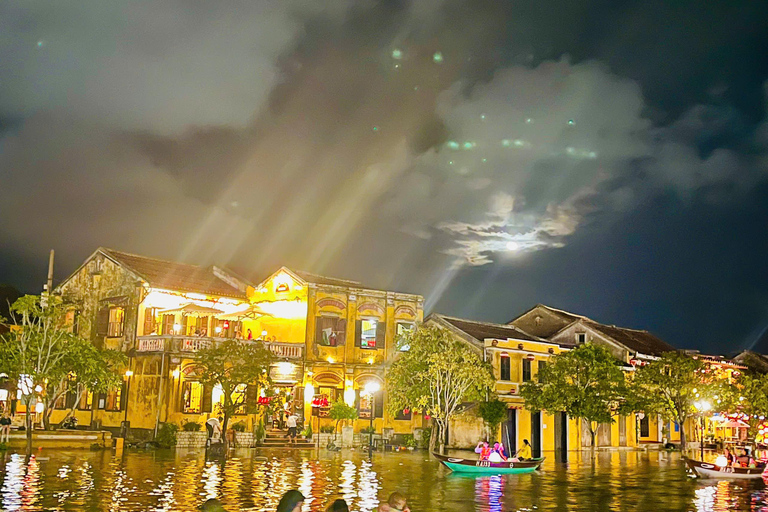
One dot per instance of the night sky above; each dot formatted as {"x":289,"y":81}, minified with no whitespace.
{"x":605,"y":157}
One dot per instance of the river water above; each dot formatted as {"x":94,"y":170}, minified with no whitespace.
{"x":255,"y":480}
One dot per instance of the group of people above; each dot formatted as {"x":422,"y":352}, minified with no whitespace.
{"x":744,"y":459}
{"x":293,"y":500}
{"x":498,"y":454}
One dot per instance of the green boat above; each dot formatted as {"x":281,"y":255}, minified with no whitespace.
{"x":486,"y":467}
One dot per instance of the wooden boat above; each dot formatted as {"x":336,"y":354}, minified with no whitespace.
{"x":711,"y":470}
{"x":487,"y":467}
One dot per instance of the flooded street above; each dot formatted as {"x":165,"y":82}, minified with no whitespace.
{"x":255,"y":479}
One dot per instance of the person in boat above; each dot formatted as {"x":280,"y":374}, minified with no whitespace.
{"x":395,"y":503}
{"x":291,"y":501}
{"x":743,"y":459}
{"x":728,"y":457}
{"x":525,"y":452}
{"x":483,"y":450}
{"x":499,"y":448}
{"x":338,"y":506}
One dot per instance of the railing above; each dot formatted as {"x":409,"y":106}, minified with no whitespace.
{"x":286,"y":350}
{"x":194,"y":343}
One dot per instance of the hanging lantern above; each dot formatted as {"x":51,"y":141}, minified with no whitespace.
{"x":406,"y":410}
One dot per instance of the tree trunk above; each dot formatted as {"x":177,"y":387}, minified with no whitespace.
{"x":433,"y":438}
{"x":682,"y":435}
{"x":592,"y":435}
{"x":28,"y":423}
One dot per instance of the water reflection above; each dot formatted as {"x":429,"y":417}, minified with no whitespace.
{"x":180,"y":481}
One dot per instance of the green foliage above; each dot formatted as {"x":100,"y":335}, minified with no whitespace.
{"x":3,"y":447}
{"x":671,"y":386}
{"x":259,"y":431}
{"x":166,"y":435}
{"x":368,"y":430}
{"x":233,"y":363}
{"x":240,"y":426}
{"x":436,"y":375}
{"x":426,"y":434}
{"x":341,"y":412}
{"x":585,"y":382}
{"x":409,"y":441}
{"x":493,"y":412}
{"x":308,"y":431}
{"x":191,"y":426}
{"x":327,"y":429}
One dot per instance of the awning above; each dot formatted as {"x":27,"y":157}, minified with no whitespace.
{"x":192,"y":309}
{"x":253,"y":311}
{"x":734,"y":424}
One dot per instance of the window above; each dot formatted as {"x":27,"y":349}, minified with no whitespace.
{"x":192,"y":397}
{"x":330,"y":331}
{"x":116,"y":322}
{"x":526,"y":370}
{"x":150,"y":323}
{"x":364,"y":405}
{"x":370,"y":333}
{"x":542,"y":365}
{"x":168,"y":321}
{"x":581,"y":337}
{"x":505,"y":367}
{"x":114,"y":400}
{"x":402,"y":329}
{"x":86,"y":401}
{"x":403,"y":415}
{"x":645,"y":430}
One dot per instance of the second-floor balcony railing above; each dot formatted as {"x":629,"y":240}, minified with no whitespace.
{"x":192,"y":344}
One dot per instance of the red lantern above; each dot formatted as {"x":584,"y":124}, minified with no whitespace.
{"x":406,"y":410}
{"x":427,"y":417}
{"x":226,"y":324}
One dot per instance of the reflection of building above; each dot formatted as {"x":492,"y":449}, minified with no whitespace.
{"x":329,"y":336}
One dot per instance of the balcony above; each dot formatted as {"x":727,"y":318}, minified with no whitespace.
{"x":191,"y":344}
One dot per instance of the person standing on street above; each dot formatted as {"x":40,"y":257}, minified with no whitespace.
{"x":291,"y":423}
{"x":5,"y":428}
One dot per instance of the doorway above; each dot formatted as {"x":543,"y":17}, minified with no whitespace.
{"x":622,"y":431}
{"x":510,"y":431}
{"x":536,"y":433}
{"x":561,"y":436}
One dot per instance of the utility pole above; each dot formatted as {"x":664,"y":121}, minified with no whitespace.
{"x":49,"y":284}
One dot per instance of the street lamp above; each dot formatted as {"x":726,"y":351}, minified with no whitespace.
{"x":702,"y":407}
{"x":128,"y":375}
{"x":370,"y":389}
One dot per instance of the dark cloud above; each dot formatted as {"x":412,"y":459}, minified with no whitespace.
{"x":442,"y":147}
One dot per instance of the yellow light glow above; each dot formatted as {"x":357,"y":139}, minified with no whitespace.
{"x":163,"y":299}
{"x":217,"y":329}
{"x":38,"y":388}
{"x":309,"y":392}
{"x":349,"y":397}
{"x":39,"y":407}
{"x":285,"y":368}
{"x":372,"y":387}
{"x":348,"y":383}
{"x":371,"y":360}
{"x":288,"y":309}
{"x":721,"y":461}
{"x":330,"y":359}
{"x":176,"y":373}
{"x":217,"y":394}
{"x":177,"y":327}
{"x":128,"y":373}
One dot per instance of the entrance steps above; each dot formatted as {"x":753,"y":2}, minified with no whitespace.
{"x":278,"y":438}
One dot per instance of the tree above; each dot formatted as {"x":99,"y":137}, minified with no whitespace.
{"x":747,"y":394}
{"x":493,"y":413}
{"x":35,"y":348}
{"x":586,"y":383}
{"x":233,"y":365}
{"x":670,"y":386}
{"x":341,"y":412}
{"x":436,"y":375}
{"x":86,"y":369}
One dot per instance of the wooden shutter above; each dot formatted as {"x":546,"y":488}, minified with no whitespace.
{"x":184,"y":325}
{"x":101,"y":401}
{"x":341,"y":331}
{"x":358,"y":332}
{"x":149,"y":321}
{"x":70,"y":400}
{"x":381,"y":334}
{"x":102,"y":321}
{"x":319,"y":330}
{"x":207,"y":398}
{"x":378,"y":405}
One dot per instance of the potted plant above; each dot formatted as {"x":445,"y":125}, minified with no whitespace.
{"x":190,"y":435}
{"x":242,"y":438}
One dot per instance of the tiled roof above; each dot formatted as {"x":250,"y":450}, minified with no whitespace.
{"x":330,"y":281}
{"x":638,"y":341}
{"x":486,"y":330}
{"x":174,"y":276}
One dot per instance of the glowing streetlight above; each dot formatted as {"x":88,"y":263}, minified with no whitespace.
{"x":371,"y":387}
{"x":176,"y":373}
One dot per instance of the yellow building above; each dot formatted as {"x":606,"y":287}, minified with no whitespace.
{"x":516,"y":357}
{"x":330,"y":337}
